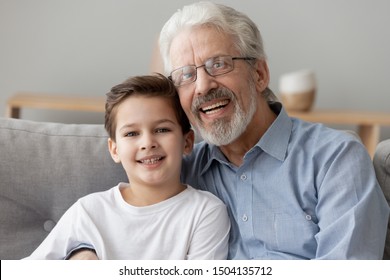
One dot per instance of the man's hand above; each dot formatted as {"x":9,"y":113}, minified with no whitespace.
{"x":83,"y":254}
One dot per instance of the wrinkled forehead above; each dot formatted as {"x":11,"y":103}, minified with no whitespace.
{"x":196,"y":45}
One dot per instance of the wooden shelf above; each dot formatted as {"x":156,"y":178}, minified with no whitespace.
{"x":54,"y":102}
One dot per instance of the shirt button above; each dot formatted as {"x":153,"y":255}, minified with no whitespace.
{"x":308,"y":217}
{"x":243,"y":177}
{"x":245,"y":218}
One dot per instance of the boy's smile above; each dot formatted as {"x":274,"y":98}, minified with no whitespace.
{"x":151,"y":161}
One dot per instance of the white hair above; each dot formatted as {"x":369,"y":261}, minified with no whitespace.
{"x":247,"y":37}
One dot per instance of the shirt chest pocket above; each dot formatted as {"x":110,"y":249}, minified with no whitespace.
{"x":287,"y":232}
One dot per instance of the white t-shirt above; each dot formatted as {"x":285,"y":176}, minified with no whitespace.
{"x":191,"y":225}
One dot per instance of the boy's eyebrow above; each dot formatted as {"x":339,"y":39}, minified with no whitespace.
{"x":129,"y":125}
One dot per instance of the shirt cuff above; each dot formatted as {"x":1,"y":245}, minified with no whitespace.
{"x":82,"y":246}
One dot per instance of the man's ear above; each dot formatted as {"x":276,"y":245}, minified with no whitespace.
{"x":113,"y":148}
{"x":262,"y":76}
{"x":189,"y":139}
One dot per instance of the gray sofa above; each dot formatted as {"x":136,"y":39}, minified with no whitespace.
{"x":46,"y":167}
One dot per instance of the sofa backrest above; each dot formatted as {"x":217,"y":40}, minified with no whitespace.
{"x":44,"y":169}
{"x":382,"y":169}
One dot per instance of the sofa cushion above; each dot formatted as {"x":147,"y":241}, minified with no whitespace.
{"x":44,"y":169}
{"x":382,"y":169}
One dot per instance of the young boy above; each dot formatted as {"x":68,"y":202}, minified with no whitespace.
{"x":154,"y":216}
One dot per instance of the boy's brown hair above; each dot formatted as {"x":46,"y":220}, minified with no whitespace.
{"x":151,"y":86}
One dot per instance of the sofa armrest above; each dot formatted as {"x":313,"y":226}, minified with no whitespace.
{"x":382,"y":168}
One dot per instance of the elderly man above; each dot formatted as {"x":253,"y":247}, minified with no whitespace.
{"x":294,"y":190}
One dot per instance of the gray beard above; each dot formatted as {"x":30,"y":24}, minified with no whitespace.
{"x":224,"y":131}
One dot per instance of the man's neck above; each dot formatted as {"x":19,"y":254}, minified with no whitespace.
{"x":262,"y":120}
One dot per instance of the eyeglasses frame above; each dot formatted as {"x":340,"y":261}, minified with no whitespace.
{"x":206,"y":69}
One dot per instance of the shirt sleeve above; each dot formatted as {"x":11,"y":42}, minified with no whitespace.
{"x":210,"y":239}
{"x":352,"y":212}
{"x":63,"y":239}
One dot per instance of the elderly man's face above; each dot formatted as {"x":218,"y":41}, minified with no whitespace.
{"x":219,"y":107}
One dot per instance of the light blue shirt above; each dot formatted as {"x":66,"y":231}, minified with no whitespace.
{"x":304,"y":191}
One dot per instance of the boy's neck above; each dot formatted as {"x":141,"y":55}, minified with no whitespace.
{"x":140,"y":196}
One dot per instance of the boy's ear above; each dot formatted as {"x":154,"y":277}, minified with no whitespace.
{"x":112,"y":147}
{"x":189,"y":139}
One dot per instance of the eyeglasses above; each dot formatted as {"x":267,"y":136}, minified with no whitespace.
{"x":214,"y":66}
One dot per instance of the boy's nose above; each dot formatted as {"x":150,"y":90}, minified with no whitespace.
{"x":148,"y":142}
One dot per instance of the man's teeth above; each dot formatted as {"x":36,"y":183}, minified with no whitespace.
{"x":215,"y":107}
{"x":150,"y":160}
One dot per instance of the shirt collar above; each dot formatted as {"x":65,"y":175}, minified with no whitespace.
{"x":274,"y":142}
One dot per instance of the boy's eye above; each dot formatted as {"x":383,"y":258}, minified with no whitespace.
{"x":162,"y":130}
{"x":131,"y":134}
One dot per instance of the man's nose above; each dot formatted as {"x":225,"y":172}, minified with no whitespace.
{"x":204,"y":82}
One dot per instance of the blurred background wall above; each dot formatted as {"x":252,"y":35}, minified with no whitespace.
{"x":86,"y":46}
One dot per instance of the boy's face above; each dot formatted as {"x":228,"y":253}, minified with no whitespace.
{"x":149,"y":141}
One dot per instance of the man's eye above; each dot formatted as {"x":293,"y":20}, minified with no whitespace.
{"x":187,"y":76}
{"x":218,"y":65}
